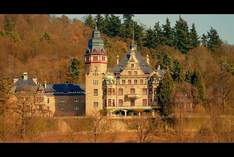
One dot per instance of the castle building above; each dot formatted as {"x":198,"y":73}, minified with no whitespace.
{"x":30,"y":96}
{"x":67,"y":99}
{"x":128,"y":89}
{"x":63,"y":99}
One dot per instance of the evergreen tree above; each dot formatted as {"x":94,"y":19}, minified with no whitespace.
{"x":182,"y":39}
{"x":74,"y":70}
{"x":195,"y":79}
{"x":89,"y":21}
{"x":213,"y":39}
{"x":150,"y":38}
{"x":204,"y":39}
{"x":165,"y":61}
{"x":194,"y":37}
{"x":158,"y":33}
{"x":164,"y":92}
{"x":113,"y":26}
{"x":168,"y":34}
{"x":100,"y":22}
{"x":127,"y":27}
{"x":138,"y":33}
{"x":177,"y":72}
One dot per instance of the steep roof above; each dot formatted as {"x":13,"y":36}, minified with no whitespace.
{"x":25,"y":85}
{"x":124,"y":61}
{"x":64,"y":89}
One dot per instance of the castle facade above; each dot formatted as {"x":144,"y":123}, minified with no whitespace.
{"x":128,"y":89}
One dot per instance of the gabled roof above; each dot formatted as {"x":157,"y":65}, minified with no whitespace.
{"x":64,"y":89}
{"x":25,"y":85}
{"x":124,"y":61}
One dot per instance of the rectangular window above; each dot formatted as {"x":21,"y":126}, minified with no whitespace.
{"x":120,"y":102}
{"x":132,"y":90}
{"x":61,"y":106}
{"x":135,"y":81}
{"x":120,"y":91}
{"x":76,"y":100}
{"x":76,"y":108}
{"x":144,"y":102}
{"x":109,"y":102}
{"x":141,"y":81}
{"x":144,"y":91}
{"x":129,"y":73}
{"x":129,"y":82}
{"x":113,"y":102}
{"x":95,"y":104}
{"x":48,"y":100}
{"x":135,"y":72}
{"x":95,"y":58}
{"x":113,"y":91}
{"x":132,"y":102}
{"x":109,"y":91}
{"x":103,"y":58}
{"x":61,"y":101}
{"x":123,"y":81}
{"x":132,"y":65}
{"x":95,"y":92}
{"x":95,"y":82}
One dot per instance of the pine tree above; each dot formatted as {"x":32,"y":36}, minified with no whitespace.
{"x":168,"y":34}
{"x":127,"y":26}
{"x":165,"y":61}
{"x":150,"y":38}
{"x":213,"y":39}
{"x":74,"y":70}
{"x":182,"y":39}
{"x":138,"y":33}
{"x":113,"y":26}
{"x":100,"y":22}
{"x":158,"y":33}
{"x":177,"y":72}
{"x":194,"y":37}
{"x":204,"y":39}
{"x":89,"y":21}
{"x":164,"y":92}
{"x":195,"y":78}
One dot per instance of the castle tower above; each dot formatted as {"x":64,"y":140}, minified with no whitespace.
{"x":95,"y":69}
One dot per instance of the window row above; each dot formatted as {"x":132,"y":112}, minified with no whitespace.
{"x":112,"y":102}
{"x":75,"y":100}
{"x":112,"y":91}
{"x":141,"y":81}
{"x":95,"y":58}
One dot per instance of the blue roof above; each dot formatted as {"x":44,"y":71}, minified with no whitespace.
{"x":64,"y":89}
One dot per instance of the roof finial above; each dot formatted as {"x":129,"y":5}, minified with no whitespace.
{"x":133,"y":34}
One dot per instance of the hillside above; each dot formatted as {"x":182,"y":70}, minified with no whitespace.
{"x":43,"y":45}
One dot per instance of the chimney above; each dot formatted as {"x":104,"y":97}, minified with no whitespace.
{"x":158,"y":67}
{"x":117,"y":61}
{"x":35,"y":80}
{"x":25,"y":76}
{"x":15,"y":80}
{"x":45,"y":84}
{"x":147,"y":59}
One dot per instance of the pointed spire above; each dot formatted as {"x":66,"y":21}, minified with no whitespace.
{"x":117,"y":61}
{"x":147,"y":59}
{"x":133,"y":46}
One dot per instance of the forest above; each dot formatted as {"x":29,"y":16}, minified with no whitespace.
{"x":46,"y":45}
{"x":51,"y":48}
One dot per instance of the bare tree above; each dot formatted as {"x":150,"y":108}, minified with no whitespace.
{"x":99,"y":125}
